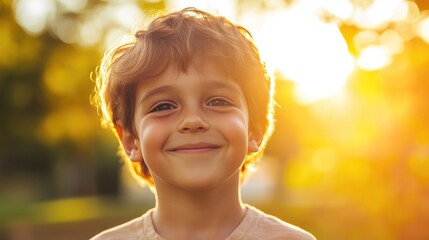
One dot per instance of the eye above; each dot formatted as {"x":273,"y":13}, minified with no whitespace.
{"x":219,"y":102}
{"x":164,"y":106}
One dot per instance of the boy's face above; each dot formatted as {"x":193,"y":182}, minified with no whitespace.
{"x":192,"y":128}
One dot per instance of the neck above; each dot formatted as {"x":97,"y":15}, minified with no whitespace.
{"x":206,"y":214}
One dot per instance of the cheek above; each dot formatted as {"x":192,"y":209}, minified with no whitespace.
{"x":153,"y":135}
{"x":235,"y":129}
{"x":238,"y":125}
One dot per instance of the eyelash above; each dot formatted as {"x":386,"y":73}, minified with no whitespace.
{"x":225,"y":102}
{"x":164,"y":106}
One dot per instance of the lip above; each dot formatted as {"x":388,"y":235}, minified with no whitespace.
{"x":195,"y":148}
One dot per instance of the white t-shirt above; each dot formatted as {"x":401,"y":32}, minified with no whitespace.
{"x":254,"y":226}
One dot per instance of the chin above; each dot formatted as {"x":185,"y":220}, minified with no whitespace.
{"x":206,"y":183}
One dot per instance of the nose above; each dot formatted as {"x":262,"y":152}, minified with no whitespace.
{"x":193,"y":121}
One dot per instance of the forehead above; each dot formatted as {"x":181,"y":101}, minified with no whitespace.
{"x":207,"y":72}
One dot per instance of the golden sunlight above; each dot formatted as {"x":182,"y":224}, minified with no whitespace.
{"x":311,"y":53}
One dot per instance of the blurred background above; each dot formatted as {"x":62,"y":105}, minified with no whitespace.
{"x":349,"y":158}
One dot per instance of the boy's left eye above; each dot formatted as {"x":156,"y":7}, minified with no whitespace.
{"x":219,"y":102}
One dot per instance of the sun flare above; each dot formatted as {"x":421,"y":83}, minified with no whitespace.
{"x":307,"y":51}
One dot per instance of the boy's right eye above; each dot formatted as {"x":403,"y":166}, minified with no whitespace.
{"x":164,"y":106}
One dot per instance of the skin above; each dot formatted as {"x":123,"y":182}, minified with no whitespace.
{"x":193,"y":133}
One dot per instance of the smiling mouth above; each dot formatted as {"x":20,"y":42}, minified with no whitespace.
{"x":195,"y":148}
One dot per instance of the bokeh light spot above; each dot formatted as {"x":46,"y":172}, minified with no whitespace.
{"x":89,"y":34}
{"x":364,"y":39}
{"x":374,"y":57}
{"x":127,"y":15}
{"x":67,"y":30}
{"x":33,"y":15}
{"x":377,"y":14}
{"x":73,"y":6}
{"x":392,"y":40}
{"x":423,"y":29}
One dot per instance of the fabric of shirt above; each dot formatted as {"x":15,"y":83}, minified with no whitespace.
{"x":254,"y":226}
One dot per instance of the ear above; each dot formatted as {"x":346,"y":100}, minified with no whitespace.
{"x":130,"y":143}
{"x":255,"y":140}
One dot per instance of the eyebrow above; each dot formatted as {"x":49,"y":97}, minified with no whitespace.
{"x":156,"y":91}
{"x":223,"y":85}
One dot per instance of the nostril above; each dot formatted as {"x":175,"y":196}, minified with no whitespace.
{"x":186,"y":129}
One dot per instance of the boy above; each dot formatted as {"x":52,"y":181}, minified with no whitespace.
{"x":191,"y":105}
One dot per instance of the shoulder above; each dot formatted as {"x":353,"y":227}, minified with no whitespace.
{"x":133,"y":229}
{"x":275,"y":228}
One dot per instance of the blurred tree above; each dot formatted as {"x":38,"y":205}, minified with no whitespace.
{"x":51,"y":144}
